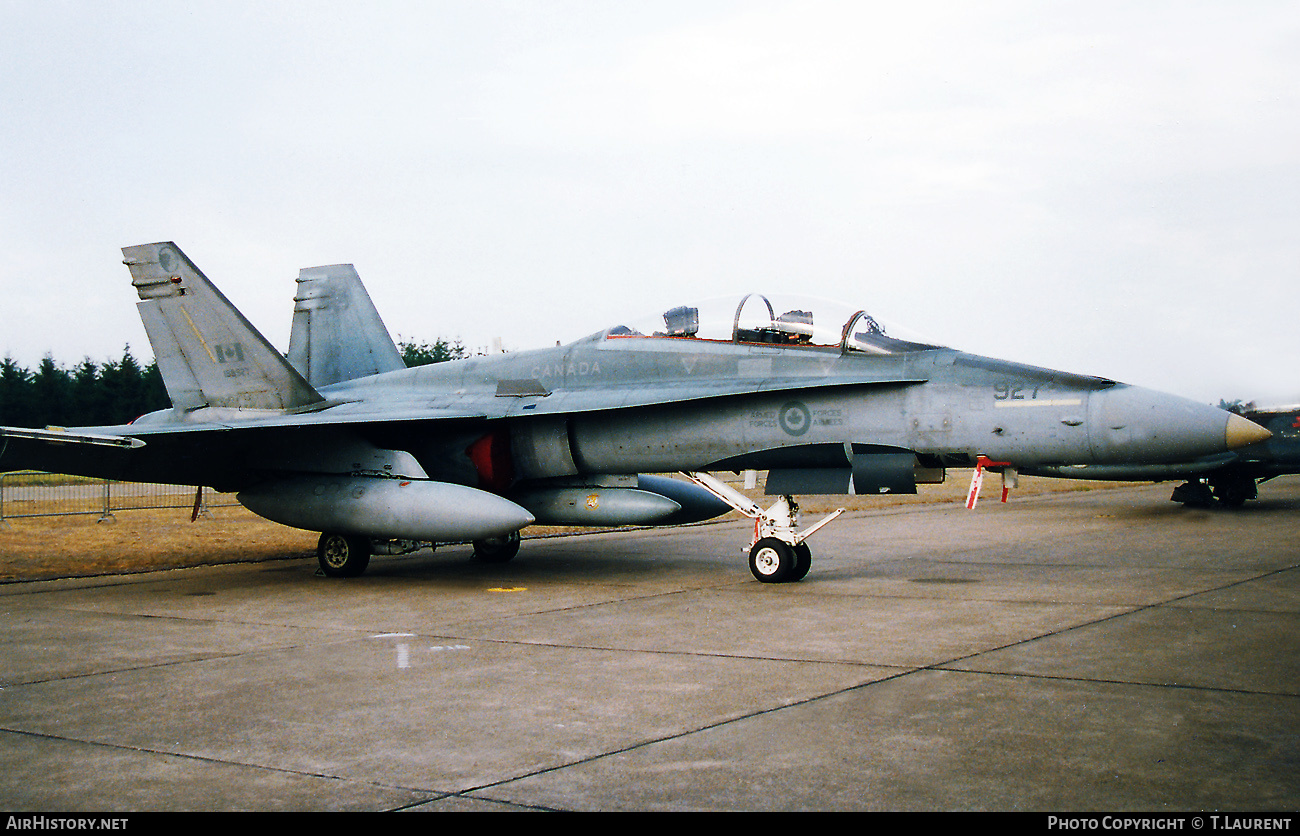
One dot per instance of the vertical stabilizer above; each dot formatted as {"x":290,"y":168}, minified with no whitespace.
{"x":208,"y":353}
{"x":337,"y":333}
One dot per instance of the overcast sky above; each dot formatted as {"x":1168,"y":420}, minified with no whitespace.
{"x":1110,"y":188}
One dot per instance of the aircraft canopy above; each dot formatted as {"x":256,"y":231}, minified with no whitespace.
{"x":777,"y":320}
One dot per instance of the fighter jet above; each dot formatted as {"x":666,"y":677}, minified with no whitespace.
{"x":1230,"y":479}
{"x":340,"y":438}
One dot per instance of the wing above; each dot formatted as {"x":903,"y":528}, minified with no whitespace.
{"x":59,"y":451}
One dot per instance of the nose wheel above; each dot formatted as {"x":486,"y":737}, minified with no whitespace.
{"x":802,"y":562}
{"x":775,"y":561}
{"x":778,"y":553}
{"x":771,"y":560}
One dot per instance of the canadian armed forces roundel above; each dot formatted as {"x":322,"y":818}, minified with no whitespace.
{"x":795,"y":418}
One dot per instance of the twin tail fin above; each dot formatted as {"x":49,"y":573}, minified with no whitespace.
{"x":337,"y":333}
{"x":208,"y":353}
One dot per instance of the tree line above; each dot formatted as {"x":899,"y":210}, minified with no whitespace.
{"x":94,"y":394}
{"x":89,"y":394}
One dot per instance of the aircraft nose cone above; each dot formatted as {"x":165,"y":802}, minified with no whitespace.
{"x":1242,"y":432}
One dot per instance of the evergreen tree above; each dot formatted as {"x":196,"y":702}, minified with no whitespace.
{"x":88,"y":405}
{"x":155,"y":391}
{"x":15,"y":394}
{"x":120,"y":391}
{"x":123,"y":386}
{"x":422,"y":354}
{"x":52,"y":393}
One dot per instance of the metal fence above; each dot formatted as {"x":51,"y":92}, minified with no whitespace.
{"x":29,"y":493}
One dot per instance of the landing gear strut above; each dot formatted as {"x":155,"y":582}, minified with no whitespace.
{"x":778,"y":552}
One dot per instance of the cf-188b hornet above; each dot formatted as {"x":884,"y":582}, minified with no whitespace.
{"x":340,"y":437}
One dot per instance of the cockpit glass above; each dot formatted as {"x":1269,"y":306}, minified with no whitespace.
{"x":776,"y":320}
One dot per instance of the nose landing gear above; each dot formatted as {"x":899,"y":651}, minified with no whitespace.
{"x":778,"y":553}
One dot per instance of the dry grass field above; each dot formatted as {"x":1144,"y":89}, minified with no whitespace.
{"x":40,"y":548}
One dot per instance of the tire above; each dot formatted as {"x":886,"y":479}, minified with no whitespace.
{"x":802,"y":563}
{"x":771,"y":560}
{"x":1193,"y":494}
{"x":497,"y":549}
{"x":1233,"y":492}
{"x":342,"y":556}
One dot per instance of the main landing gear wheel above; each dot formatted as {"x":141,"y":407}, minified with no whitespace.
{"x":497,"y":549}
{"x":773,"y":561}
{"x":1233,"y":491}
{"x":342,"y":556}
{"x":1193,"y":493}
